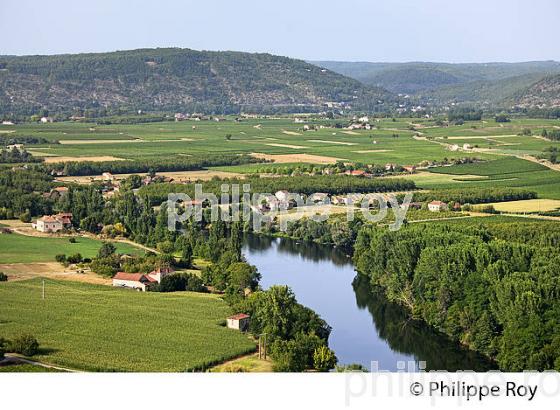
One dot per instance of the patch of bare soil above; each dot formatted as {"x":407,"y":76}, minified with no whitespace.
{"x":289,"y":158}
{"x":103,"y":158}
{"x":53,"y":270}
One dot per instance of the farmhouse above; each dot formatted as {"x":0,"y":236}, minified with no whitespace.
{"x":437,"y":206}
{"x":53,"y":223}
{"x":12,"y":147}
{"x":48,"y":224}
{"x":7,"y":123}
{"x":239,"y":321}
{"x":107,"y":176}
{"x":136,"y":281}
{"x":140,"y":281}
{"x":160,"y":273}
{"x":282,"y":196}
{"x":57,"y":193}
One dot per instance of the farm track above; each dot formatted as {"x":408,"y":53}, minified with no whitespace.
{"x":16,"y":358}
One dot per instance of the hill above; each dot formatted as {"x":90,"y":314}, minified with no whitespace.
{"x":441,"y":83}
{"x":174,"y":79}
{"x":543,"y":93}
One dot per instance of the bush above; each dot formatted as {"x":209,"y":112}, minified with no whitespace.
{"x":3,"y":277}
{"x":324,"y":359}
{"x":26,"y":345}
{"x":76,"y":258}
{"x":60,"y":258}
{"x":25,"y":217}
{"x":72,"y":240}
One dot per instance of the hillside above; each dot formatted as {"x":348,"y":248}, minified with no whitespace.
{"x":174,"y":79}
{"x":544,"y":93}
{"x":441,"y":83}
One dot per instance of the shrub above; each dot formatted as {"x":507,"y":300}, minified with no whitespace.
{"x":25,"y":217}
{"x":60,"y":258}
{"x":26,"y":345}
{"x":76,"y":258}
{"x":3,"y":277}
{"x":324,"y":359}
{"x":72,"y":240}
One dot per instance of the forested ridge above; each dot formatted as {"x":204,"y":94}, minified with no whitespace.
{"x":173,"y":79}
{"x":493,"y":287}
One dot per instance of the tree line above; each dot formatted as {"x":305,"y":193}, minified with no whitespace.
{"x":494,"y":288}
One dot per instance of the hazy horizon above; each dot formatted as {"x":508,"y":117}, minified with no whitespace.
{"x":361,"y":31}
{"x":304,"y":59}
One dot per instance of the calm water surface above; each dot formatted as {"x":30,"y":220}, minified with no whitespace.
{"x":365,"y":327}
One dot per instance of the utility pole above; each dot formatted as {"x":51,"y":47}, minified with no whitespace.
{"x":262,"y":346}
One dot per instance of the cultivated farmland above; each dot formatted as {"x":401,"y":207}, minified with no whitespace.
{"x":99,"y":328}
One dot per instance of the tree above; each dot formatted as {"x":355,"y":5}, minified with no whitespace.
{"x":166,"y":247}
{"x":243,"y":276}
{"x":3,"y":277}
{"x":107,"y":249}
{"x":324,"y":359}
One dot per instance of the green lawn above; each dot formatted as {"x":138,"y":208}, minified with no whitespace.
{"x":100,"y":328}
{"x":16,"y":248}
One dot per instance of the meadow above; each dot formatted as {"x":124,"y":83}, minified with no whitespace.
{"x":15,"y":248}
{"x":100,"y":328}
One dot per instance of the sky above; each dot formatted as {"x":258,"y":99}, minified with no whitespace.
{"x":343,"y":30}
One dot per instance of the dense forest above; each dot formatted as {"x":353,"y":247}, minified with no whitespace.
{"x":492,"y":287}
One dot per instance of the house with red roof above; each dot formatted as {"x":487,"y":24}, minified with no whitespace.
{"x":437,"y":206}
{"x":239,"y":321}
{"x":137,"y":281}
{"x":140,"y":281}
{"x":53,"y":223}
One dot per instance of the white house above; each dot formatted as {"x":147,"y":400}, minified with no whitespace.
{"x":437,"y":206}
{"x":107,"y":176}
{"x":136,"y":281}
{"x":12,"y":147}
{"x":282,"y":196}
{"x":53,"y":223}
{"x":238,"y":322}
{"x":48,"y":224}
{"x":7,"y":123}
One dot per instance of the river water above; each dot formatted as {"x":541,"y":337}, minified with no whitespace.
{"x":366,"y":328}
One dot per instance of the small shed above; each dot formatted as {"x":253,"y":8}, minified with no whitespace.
{"x":239,"y":321}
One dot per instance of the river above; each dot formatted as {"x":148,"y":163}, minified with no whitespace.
{"x":366,"y":328}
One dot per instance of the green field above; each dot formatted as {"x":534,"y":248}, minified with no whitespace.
{"x":262,"y":136}
{"x":265,"y":135}
{"x":100,"y":328}
{"x":16,"y":248}
{"x":504,"y":172}
{"x":27,"y":368}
